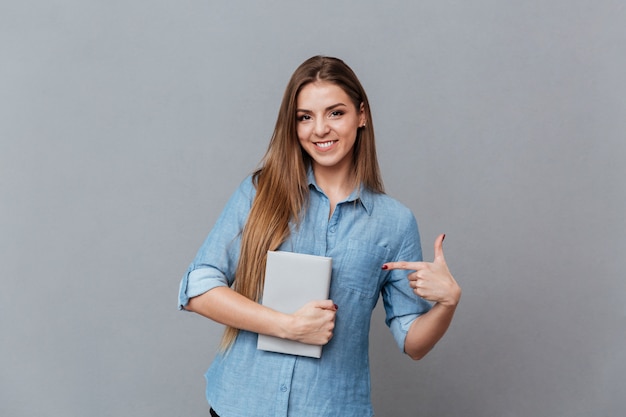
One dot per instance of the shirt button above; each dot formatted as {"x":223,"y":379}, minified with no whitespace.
{"x":283,"y":388}
{"x":333,"y":229}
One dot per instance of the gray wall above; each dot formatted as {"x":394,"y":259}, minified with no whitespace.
{"x":125,"y":126}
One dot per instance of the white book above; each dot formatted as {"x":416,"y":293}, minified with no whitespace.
{"x":291,"y":281}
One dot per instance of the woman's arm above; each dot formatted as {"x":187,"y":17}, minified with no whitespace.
{"x":433,"y":282}
{"x":427,"y":330}
{"x":312,"y":324}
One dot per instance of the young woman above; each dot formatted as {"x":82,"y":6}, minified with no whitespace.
{"x":318,"y":192}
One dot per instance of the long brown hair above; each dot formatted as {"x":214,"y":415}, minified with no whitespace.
{"x":281,"y":182}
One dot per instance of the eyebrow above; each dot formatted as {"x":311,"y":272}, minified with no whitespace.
{"x":334,"y":106}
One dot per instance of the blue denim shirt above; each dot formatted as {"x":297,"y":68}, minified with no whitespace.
{"x":365,"y":231}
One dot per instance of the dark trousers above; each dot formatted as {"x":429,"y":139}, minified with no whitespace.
{"x":213,"y":413}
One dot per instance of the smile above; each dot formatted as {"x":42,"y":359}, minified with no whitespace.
{"x":325,"y":144}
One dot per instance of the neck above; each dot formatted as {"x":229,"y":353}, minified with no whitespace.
{"x":337,"y":182}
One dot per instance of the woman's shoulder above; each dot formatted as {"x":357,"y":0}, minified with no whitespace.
{"x":390,"y":205}
{"x":247,"y":186}
{"x":394,"y":217}
{"x":389,"y":211}
{"x":243,"y":194}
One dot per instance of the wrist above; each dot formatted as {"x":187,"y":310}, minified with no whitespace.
{"x":453,"y":300}
{"x":285,"y":326}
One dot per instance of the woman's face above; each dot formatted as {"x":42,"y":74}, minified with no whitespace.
{"x":327,"y":123}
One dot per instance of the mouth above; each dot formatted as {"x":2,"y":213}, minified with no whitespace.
{"x":325,"y":145}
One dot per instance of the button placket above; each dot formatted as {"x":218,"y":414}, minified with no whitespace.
{"x":331,"y":229}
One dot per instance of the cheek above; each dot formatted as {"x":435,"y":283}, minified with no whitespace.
{"x":349,"y":130}
{"x":303,"y":133}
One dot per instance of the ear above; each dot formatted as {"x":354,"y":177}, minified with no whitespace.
{"x":362,"y":119}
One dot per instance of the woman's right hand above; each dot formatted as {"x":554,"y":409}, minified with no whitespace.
{"x":314,"y":323}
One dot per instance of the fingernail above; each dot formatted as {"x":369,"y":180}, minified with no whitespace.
{"x":336,"y":306}
{"x":444,"y":237}
{"x":385,"y":267}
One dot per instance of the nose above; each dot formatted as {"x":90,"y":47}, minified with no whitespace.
{"x":321,"y":127}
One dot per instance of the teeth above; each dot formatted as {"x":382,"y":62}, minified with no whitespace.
{"x":325,"y":144}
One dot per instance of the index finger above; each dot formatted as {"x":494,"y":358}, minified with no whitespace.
{"x":409,"y":266}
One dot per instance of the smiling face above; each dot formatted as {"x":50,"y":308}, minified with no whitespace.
{"x":327,"y":125}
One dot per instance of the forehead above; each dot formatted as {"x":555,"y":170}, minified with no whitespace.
{"x":321,"y":94}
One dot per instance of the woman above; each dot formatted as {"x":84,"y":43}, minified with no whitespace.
{"x":318,"y":192}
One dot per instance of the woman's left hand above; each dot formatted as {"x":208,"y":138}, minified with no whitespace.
{"x":431,"y":280}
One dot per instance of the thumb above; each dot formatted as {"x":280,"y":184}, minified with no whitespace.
{"x":439,"y":249}
{"x":326,"y":305}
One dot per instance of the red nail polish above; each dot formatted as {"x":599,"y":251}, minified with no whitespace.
{"x":385,"y":267}
{"x":444,"y":237}
{"x":336,"y":306}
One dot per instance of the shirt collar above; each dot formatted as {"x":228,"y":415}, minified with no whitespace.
{"x":360,"y":194}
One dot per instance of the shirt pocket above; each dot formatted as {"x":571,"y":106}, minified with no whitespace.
{"x":360,"y":267}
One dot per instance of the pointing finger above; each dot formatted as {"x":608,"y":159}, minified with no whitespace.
{"x":409,"y":266}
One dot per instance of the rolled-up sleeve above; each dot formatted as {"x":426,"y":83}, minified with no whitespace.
{"x":216,"y":260}
{"x":402,"y":305}
{"x":198,"y":281}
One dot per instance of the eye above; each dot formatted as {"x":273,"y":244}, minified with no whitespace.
{"x":303,"y":117}
{"x":336,"y":113}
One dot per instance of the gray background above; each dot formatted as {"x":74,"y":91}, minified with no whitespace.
{"x":125,"y":126}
